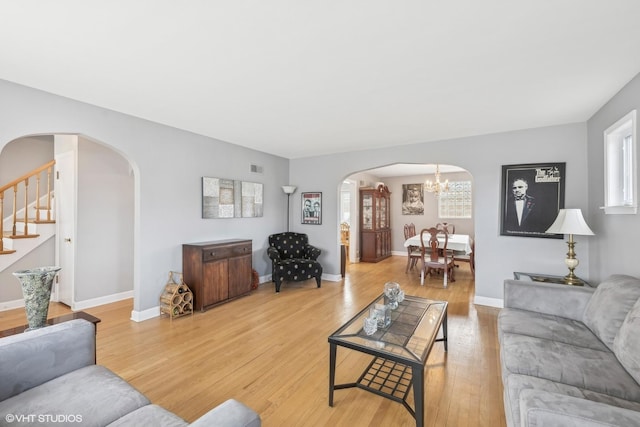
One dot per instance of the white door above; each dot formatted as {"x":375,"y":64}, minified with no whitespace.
{"x":65,"y":196}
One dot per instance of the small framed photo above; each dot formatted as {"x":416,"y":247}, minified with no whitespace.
{"x":532,"y":195}
{"x":312,"y":208}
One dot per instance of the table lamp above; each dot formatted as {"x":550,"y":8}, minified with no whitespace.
{"x":571,"y":221}
{"x":288,"y":190}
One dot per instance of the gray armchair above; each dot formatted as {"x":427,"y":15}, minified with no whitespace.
{"x":293,"y":258}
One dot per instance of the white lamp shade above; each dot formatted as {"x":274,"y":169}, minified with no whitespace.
{"x":570,"y":221}
{"x":289,"y":189}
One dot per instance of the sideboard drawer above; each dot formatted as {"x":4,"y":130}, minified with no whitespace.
{"x":218,"y":252}
{"x":241,"y":249}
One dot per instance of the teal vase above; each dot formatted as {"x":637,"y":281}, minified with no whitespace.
{"x":36,"y":290}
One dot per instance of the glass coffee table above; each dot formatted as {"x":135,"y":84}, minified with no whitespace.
{"x":399,"y":351}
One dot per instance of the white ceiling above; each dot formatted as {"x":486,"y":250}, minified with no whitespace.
{"x":300,"y":78}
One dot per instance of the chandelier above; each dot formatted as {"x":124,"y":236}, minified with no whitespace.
{"x":437,"y":187}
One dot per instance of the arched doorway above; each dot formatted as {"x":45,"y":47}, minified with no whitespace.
{"x":101,"y":235}
{"x":402,"y":174}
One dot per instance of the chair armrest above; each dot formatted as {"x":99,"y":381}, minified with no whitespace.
{"x":548,"y":298}
{"x":543,"y":408}
{"x":35,"y":357}
{"x":311,"y":252}
{"x":230,"y":413}
{"x":273,"y":254}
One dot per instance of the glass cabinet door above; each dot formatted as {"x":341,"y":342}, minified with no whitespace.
{"x":377,"y":212}
{"x":367,"y":212}
{"x":383,"y":212}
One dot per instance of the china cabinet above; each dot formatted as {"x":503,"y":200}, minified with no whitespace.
{"x":375,"y":223}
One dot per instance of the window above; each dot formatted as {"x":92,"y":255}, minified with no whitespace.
{"x":455,"y":203}
{"x":620,"y":189}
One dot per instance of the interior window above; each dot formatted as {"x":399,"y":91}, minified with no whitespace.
{"x":455,"y":203}
{"x":621,"y":195}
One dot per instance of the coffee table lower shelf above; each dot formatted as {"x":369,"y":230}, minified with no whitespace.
{"x":385,"y":378}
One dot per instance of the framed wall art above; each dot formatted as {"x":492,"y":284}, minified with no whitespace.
{"x":228,"y":198}
{"x":312,"y":208}
{"x":532,"y":195}
{"x":412,"y":199}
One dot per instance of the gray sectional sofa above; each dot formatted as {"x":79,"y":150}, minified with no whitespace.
{"x":570,"y":355}
{"x":49,"y":377}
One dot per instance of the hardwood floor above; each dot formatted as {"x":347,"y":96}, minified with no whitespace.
{"x":270,"y":351}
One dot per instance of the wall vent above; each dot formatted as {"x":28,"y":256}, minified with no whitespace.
{"x":256,"y":169}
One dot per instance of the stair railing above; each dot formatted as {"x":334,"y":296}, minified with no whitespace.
{"x":22,"y":183}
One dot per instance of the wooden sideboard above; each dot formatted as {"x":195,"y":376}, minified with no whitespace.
{"x":217,"y":271}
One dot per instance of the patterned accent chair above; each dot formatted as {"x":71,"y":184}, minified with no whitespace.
{"x":293,"y":258}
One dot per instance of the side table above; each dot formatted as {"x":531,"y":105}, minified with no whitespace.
{"x":546,"y":278}
{"x":53,"y":321}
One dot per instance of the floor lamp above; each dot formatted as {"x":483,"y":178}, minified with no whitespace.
{"x":288,"y":190}
{"x":571,"y":221}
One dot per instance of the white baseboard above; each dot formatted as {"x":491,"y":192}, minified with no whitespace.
{"x":80,"y":305}
{"x":141,"y":316}
{"x":94,"y":302}
{"x":491,"y":302}
{"x":332,"y":277}
{"x":10,"y":305}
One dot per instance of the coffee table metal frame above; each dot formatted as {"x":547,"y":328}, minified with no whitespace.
{"x":400,"y":351}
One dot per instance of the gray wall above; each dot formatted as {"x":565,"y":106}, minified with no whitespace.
{"x":613,"y":248}
{"x":482,"y":156}
{"x":21,"y":157}
{"x":16,"y":159}
{"x":104,"y":224}
{"x":168,"y":165}
{"x":10,"y":289}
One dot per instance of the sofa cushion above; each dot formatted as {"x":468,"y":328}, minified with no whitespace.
{"x":544,"y":409}
{"x":547,"y":326}
{"x":609,"y":306}
{"x":150,"y":415}
{"x":34,"y":357}
{"x":581,"y":367}
{"x":93,"y":393}
{"x":229,"y":413}
{"x":626,"y":345}
{"x":514,"y":384}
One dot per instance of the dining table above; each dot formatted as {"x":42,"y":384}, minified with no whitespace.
{"x":457,"y":242}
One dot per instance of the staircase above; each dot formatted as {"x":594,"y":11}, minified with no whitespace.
{"x":31,"y":221}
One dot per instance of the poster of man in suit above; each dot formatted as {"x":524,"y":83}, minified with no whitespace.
{"x":532,"y":195}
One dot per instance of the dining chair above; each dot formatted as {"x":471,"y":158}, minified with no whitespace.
{"x":345,"y":231}
{"x":435,"y":256}
{"x":450,"y":228}
{"x":413,"y":252}
{"x":470,"y":258}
